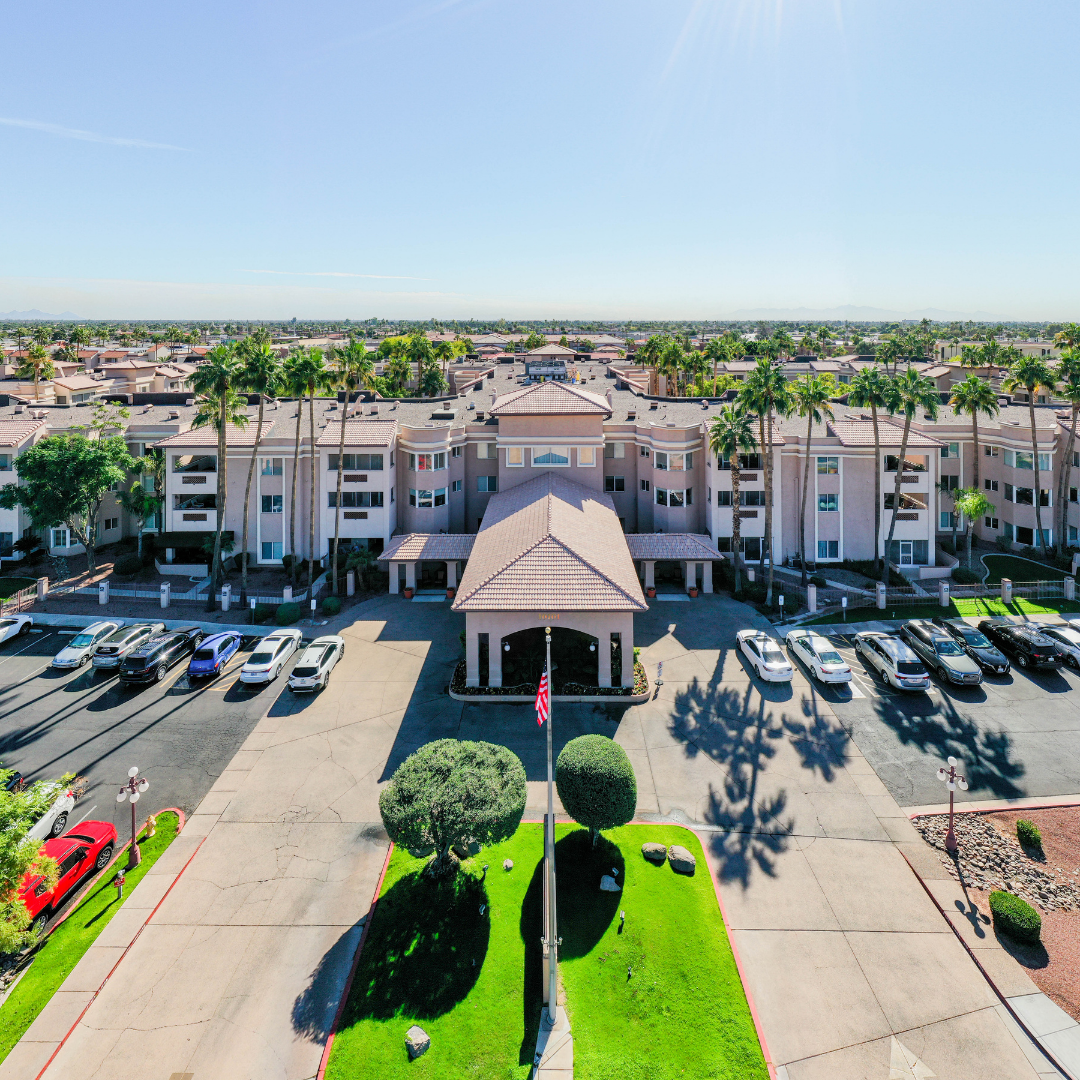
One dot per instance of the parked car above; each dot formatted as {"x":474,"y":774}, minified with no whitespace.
{"x":941,"y":653}
{"x":312,"y":670}
{"x":820,"y":656}
{"x":270,"y":656}
{"x":214,"y":653}
{"x":88,"y":847}
{"x":976,"y":644}
{"x":1028,"y":647}
{"x":111,"y":652}
{"x":151,"y":660}
{"x":80,"y":650}
{"x":14,"y":625}
{"x":765,"y":656}
{"x":893,"y":660}
{"x":54,"y":821}
{"x":1065,"y":638}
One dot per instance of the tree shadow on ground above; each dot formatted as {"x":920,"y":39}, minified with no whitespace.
{"x":1032,"y":957}
{"x":313,"y":1010}
{"x":424,"y":951}
{"x":940,"y":730}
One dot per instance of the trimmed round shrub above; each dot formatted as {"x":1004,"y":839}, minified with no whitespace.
{"x":331,"y":605}
{"x":287,"y":614}
{"x":1015,"y":917}
{"x":596,"y":783}
{"x":264,"y":612}
{"x":963,"y":576}
{"x":453,"y":792}
{"x":819,"y":581}
{"x":127,"y":565}
{"x":1027,"y":832}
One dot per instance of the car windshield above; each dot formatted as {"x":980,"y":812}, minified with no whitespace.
{"x":770,"y":652}
{"x":910,"y":669}
{"x":81,"y":640}
{"x":6,"y":622}
{"x":304,"y":672}
{"x":976,"y":640}
{"x":830,"y":657}
{"x":945,"y":647}
{"x":261,"y":658}
{"x":1070,"y":636}
{"x":204,"y":654}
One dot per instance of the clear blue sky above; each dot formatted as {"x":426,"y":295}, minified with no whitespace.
{"x":667,"y":158}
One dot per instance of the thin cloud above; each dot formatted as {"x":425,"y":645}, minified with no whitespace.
{"x":335,"y":273}
{"x":88,"y":136}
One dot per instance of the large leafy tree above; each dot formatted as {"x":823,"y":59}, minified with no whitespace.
{"x":63,"y":480}
{"x":1032,"y":373}
{"x":869,"y":389}
{"x":450,"y":792}
{"x":732,"y":434}
{"x":215,"y":382}
{"x":811,"y":396}
{"x":909,"y":393}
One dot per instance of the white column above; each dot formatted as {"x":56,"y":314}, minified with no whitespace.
{"x":603,"y":652}
{"x":166,"y":594}
{"x":410,"y":575}
{"x":650,"y":571}
{"x":706,"y":579}
{"x":42,"y":587}
{"x":103,"y":592}
{"x":628,"y":651}
{"x":811,"y":597}
{"x":350,"y":583}
{"x":451,"y":574}
{"x":472,"y":655}
{"x":495,"y":655}
{"x":394,"y":577}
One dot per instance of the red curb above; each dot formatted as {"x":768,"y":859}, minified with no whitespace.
{"x":325,"y":1060}
{"x":112,"y":970}
{"x":986,"y":975}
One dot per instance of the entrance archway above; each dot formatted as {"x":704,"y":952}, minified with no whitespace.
{"x":575,"y":657}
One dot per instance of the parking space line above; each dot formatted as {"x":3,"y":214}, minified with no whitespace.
{"x":83,"y":818}
{"x":22,"y":650}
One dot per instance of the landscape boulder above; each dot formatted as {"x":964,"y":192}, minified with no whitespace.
{"x":417,"y":1042}
{"x":609,"y":884}
{"x":681,"y":859}
{"x":656,"y":853}
{"x":508,"y":864}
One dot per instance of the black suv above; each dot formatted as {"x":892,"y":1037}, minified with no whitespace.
{"x":976,"y":644}
{"x":1028,"y":647}
{"x":150,"y":661}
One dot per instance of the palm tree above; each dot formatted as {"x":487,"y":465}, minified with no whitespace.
{"x":293,"y":384}
{"x":810,"y":395}
{"x":950,"y":493}
{"x":141,"y":504}
{"x":973,"y":504}
{"x":37,"y":364}
{"x":890,"y":351}
{"x":316,"y":378}
{"x":970,"y":356}
{"x":669,"y":364}
{"x":716,"y":350}
{"x":732,"y":434}
{"x":1031,"y":373}
{"x":78,"y":336}
{"x":1068,"y":336}
{"x":824,"y":336}
{"x":909,"y":393}
{"x":355,"y":370}
{"x":259,"y":373}
{"x":1069,"y":373}
{"x":869,"y":389}
{"x":214,"y":381}
{"x":974,"y":396}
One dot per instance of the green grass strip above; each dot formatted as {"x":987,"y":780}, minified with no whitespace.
{"x":65,"y":946}
{"x":9,"y":586}
{"x":1016,"y":568}
{"x":957,"y":609}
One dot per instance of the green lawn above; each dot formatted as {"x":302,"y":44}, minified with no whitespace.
{"x":64,"y":947}
{"x":958,"y":609}
{"x":9,"y":586}
{"x":1018,"y":569}
{"x":417,"y":967}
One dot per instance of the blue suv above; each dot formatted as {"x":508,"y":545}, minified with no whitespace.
{"x":213,"y":654}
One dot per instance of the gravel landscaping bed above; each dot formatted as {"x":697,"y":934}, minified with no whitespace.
{"x":990,"y":857}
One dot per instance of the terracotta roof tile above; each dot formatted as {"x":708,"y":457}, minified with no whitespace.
{"x":671,"y":546}
{"x":359,"y":433}
{"x":861,"y":433}
{"x":548,"y":399}
{"x":13,"y":432}
{"x":433,"y":546}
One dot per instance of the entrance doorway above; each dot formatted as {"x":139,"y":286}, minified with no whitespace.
{"x":907,"y":553}
{"x":574,"y":657}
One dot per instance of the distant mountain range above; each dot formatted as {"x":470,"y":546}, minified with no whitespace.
{"x":33,"y":315}
{"x":855,"y":313}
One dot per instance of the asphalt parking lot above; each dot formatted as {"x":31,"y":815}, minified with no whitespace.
{"x":182,"y":734}
{"x":1017,"y":736}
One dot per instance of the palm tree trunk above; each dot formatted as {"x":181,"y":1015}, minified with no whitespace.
{"x":37,"y":372}
{"x":292,"y":500}
{"x":222,"y":480}
{"x":247,"y":502}
{"x":1035,"y":465}
{"x":878,"y":563}
{"x":975,"y":440}
{"x":311,"y":500}
{"x":969,"y":532}
{"x":806,"y":485}
{"x":1066,"y":476}
{"x":896,"y":486}
{"x":337,"y":502}
{"x":736,"y":526}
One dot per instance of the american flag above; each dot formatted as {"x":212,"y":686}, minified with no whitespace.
{"x":542,"y":700}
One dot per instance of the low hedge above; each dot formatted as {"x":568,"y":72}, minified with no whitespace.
{"x":127,"y":565}
{"x":963,"y":576}
{"x":264,"y":612}
{"x":1015,"y":917}
{"x":287,"y":614}
{"x":331,"y":605}
{"x":1027,"y":832}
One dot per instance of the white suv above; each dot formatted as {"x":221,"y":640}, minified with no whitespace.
{"x":269,"y":656}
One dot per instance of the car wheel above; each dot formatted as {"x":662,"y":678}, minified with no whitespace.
{"x":1021,"y":660}
{"x":858,"y":647}
{"x":104,"y":856}
{"x":59,"y":824}
{"x":160,"y":673}
{"x":83,"y":661}
{"x":884,"y":676}
{"x":326,"y":681}
{"x":25,"y":628}
{"x":40,"y":923}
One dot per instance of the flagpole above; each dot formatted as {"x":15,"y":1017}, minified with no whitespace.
{"x":553,"y":974}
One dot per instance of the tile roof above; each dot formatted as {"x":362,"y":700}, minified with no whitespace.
{"x":434,"y":546}
{"x":13,"y":432}
{"x":861,"y":433}
{"x":207,"y":436}
{"x":547,"y":399}
{"x":78,"y":382}
{"x":551,"y":350}
{"x":671,"y":546}
{"x":359,"y":433}
{"x":550,"y":544}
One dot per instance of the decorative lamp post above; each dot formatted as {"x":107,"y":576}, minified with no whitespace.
{"x":952,"y":780}
{"x":133,"y":791}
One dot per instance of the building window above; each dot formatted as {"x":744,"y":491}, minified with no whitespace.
{"x":614,"y":483}
{"x":271,"y":504}
{"x":425,"y":462}
{"x":1009,"y":493}
{"x":456,"y":485}
{"x":440,"y":496}
{"x":660,"y":460}
{"x":947,"y":519}
{"x":515,"y":456}
{"x":419,"y":497}
{"x":661,"y":496}
{"x":455,"y":451}
{"x":723,"y":498}
{"x":1044,"y":496}
{"x":272,"y":551}
{"x":274,"y":466}
{"x":644,"y":451}
{"x":1025,"y":496}
{"x":586,"y":456}
{"x":614,"y":450}
{"x":991,"y":451}
{"x":708,"y":496}
{"x":950,"y":483}
{"x":675,"y":498}
{"x":1072,"y":494}
{"x":911,"y":464}
{"x":112,"y":523}
{"x":550,"y":455}
{"x":1025,"y":536}
{"x":59,"y":538}
{"x":5,"y":463}
{"x":828,"y":466}
{"x":645,"y":485}
{"x":950,"y":450}
{"x":752,"y":498}
{"x":827,"y":503}
{"x":828,"y":549}
{"x":1072,"y":534}
{"x":353,"y":499}
{"x":359,"y":462}
{"x":991,"y":523}
{"x":1009,"y":459}
{"x":747,"y":462}
{"x":194,"y":502}
{"x":196,"y":463}
{"x":487,"y":483}
{"x":991,"y":485}
{"x":1008,"y":531}
{"x":911,"y":501}
{"x":6,"y":541}
{"x":673,"y":462}
{"x":486,"y":450}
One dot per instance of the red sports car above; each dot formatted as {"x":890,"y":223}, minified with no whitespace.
{"x":88,"y":847}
